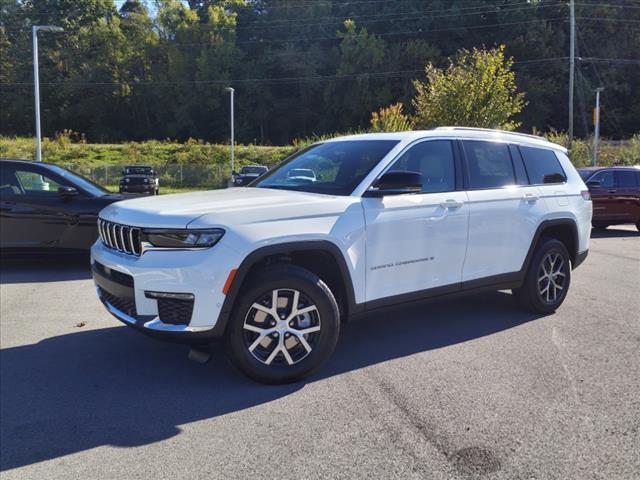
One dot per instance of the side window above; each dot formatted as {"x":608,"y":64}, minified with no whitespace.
{"x":605,"y":178}
{"x":626,"y":179}
{"x":33,"y":183}
{"x":489,"y":164}
{"x":8,"y":182}
{"x":434,"y":160}
{"x":542,"y":166}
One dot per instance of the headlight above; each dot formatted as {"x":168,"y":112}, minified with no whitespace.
{"x":126,"y":180}
{"x":146,"y":180}
{"x":183,"y":238}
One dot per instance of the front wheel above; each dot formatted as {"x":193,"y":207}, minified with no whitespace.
{"x":547,"y":279}
{"x":284,"y":327}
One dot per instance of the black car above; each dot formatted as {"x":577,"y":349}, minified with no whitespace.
{"x":248,"y":174}
{"x":139,"y":179}
{"x":46,"y":207}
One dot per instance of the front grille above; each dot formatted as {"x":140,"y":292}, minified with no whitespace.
{"x":175,"y":312}
{"x":126,"y":305}
{"x":122,"y":238}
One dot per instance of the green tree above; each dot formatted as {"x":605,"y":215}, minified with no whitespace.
{"x":356,"y":92}
{"x":390,"y":119}
{"x":477,"y":89}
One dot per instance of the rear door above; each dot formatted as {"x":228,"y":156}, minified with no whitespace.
{"x":504,"y":210}
{"x":627,"y":196}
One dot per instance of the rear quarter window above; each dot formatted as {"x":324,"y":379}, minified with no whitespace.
{"x":542,"y":166}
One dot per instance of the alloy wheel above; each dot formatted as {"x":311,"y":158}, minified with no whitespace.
{"x":282,"y":327}
{"x":551,"y":277}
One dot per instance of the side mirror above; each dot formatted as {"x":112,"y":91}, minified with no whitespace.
{"x":67,"y":191}
{"x":593,"y":183}
{"x":396,"y":183}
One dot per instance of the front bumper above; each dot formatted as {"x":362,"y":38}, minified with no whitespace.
{"x":124,"y":282}
{"x":146,"y":188}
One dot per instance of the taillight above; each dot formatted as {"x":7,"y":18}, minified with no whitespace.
{"x":586,"y":195}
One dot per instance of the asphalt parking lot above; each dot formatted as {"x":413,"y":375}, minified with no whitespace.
{"x":470,"y":388}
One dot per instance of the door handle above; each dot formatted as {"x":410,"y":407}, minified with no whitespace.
{"x":530,"y":198}
{"x":451,"y":203}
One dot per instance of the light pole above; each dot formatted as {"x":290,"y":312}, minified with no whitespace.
{"x":36,"y":81}
{"x":596,"y":121}
{"x":572,"y":62}
{"x":231,"y":92}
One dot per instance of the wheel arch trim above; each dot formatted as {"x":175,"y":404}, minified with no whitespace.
{"x":283,"y":248}
{"x":545,"y":225}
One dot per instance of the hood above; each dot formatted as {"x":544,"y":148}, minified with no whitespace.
{"x":222,"y":207}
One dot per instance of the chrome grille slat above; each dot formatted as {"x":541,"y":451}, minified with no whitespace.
{"x":123,"y":238}
{"x":118,"y":232}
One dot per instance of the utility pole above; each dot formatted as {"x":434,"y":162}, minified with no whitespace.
{"x":572,"y":61}
{"x":596,"y":121}
{"x":231,"y":92}
{"x":36,"y":81}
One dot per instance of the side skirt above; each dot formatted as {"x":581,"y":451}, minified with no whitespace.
{"x":496,"y":282}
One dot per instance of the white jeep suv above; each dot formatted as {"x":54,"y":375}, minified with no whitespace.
{"x":385,"y":219}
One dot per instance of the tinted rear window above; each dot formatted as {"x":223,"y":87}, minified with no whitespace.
{"x":489,"y":164}
{"x":542,"y":166}
{"x":626,"y":179}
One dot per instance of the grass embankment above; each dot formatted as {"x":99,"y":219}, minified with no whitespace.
{"x":181,"y":166}
{"x":196,"y":165}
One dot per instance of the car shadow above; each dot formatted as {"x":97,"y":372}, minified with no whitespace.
{"x":613,"y":232}
{"x":115,"y":386}
{"x":44,"y":268}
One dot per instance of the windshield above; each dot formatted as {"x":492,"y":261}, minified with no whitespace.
{"x":253,"y":170}
{"x":79,"y":181}
{"x":139,"y":171}
{"x":332,"y":168}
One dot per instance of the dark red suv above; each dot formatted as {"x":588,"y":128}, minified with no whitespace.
{"x":615,"y":192}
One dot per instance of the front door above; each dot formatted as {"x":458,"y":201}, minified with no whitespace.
{"x":417,"y":241}
{"x":32,"y":209}
{"x":603,"y":197}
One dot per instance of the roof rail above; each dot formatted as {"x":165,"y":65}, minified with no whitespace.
{"x":475,"y":129}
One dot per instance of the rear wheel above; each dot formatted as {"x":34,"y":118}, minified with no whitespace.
{"x":548,"y":277}
{"x":284,"y":327}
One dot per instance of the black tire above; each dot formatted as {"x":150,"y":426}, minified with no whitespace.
{"x":312,"y":291}
{"x":529,"y":294}
{"x":638,"y":226}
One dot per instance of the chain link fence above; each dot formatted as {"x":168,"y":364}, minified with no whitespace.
{"x":172,"y":176}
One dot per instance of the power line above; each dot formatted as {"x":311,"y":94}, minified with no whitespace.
{"x":315,"y":78}
{"x":414,"y":33}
